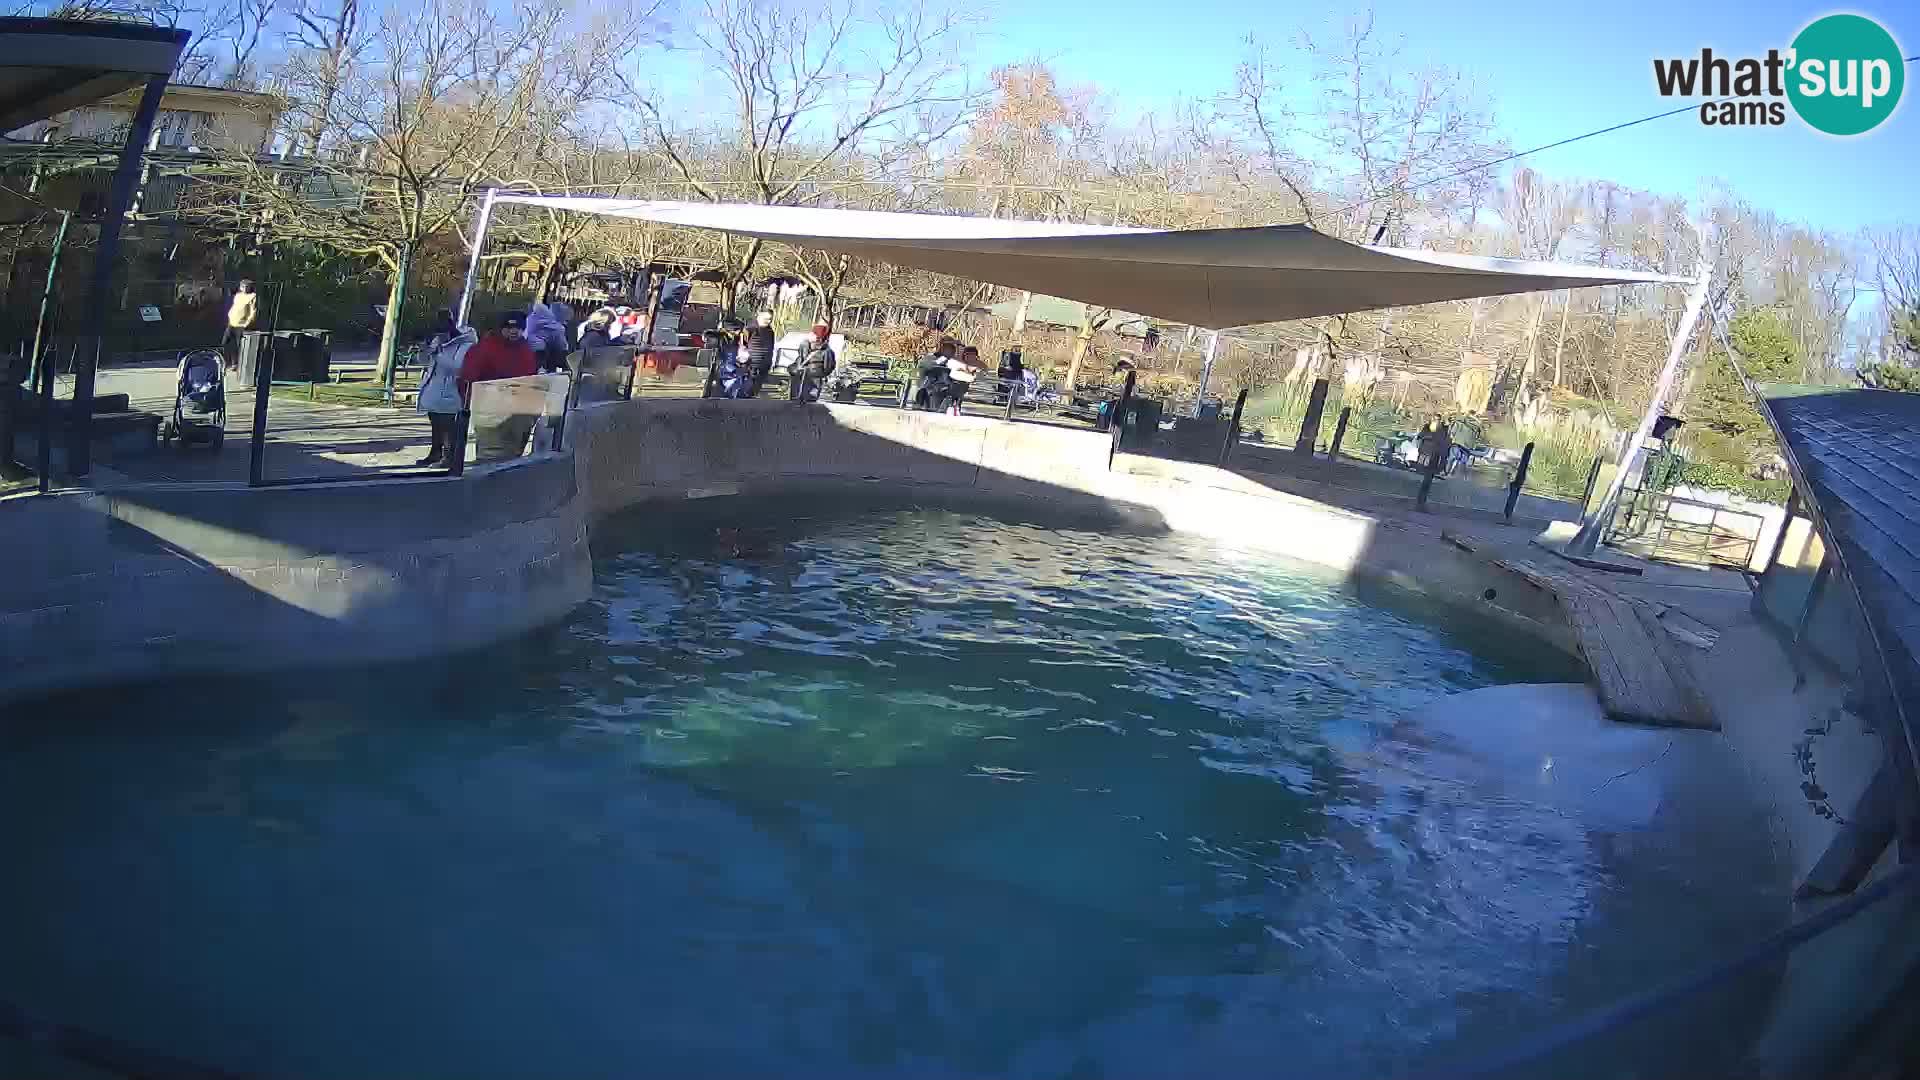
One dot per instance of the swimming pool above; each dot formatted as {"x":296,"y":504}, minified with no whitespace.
{"x":869,"y":790}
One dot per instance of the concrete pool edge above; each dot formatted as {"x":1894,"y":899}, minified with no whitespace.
{"x":110,"y":587}
{"x":190,"y":579}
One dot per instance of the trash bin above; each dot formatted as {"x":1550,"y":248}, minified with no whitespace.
{"x":322,"y":356}
{"x":247,"y":367}
{"x":1142,"y":421}
{"x":300,"y":357}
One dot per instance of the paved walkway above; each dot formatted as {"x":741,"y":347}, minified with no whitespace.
{"x":303,"y":438}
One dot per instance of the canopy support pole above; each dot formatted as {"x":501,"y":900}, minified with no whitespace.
{"x":106,"y":259}
{"x":1206,"y":370}
{"x":480,"y":223}
{"x":1593,"y":529}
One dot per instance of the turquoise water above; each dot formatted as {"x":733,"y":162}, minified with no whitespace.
{"x":900,"y":792}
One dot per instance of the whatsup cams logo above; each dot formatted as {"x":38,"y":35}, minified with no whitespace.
{"x":1842,"y":75}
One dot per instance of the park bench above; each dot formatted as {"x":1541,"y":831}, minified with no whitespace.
{"x":877,"y":386}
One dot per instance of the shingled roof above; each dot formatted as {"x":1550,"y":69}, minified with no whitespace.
{"x":1855,"y":455}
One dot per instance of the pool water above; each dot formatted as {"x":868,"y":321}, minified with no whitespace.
{"x":865,"y":791}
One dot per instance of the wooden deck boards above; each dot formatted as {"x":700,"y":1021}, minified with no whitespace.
{"x":1627,"y":649}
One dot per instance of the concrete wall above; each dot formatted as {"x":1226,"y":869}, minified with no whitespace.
{"x":107,"y":587}
{"x":665,"y":449}
{"x":631,"y":452}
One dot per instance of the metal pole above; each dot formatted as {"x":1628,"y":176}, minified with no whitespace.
{"x":125,"y":179}
{"x":1593,"y":477}
{"x":1594,"y":527}
{"x":457,"y":457}
{"x":1786,"y":522}
{"x":1519,"y":479}
{"x":1206,"y":370}
{"x":262,"y":390}
{"x":1310,"y":422}
{"x":1339,"y":433}
{"x":395,"y":315}
{"x":657,"y":284}
{"x":41,"y":325}
{"x":46,"y":427}
{"x":480,"y":222}
{"x":1233,"y":428}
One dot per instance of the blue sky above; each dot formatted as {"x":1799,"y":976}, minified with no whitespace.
{"x":1551,"y":71}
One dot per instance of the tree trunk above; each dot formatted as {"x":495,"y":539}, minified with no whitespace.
{"x":389,"y":331}
{"x":1533,"y":342}
{"x":1560,"y":345}
{"x":1020,"y":313}
{"x":550,"y":268}
{"x":1619,"y":358}
{"x":1080,"y":345}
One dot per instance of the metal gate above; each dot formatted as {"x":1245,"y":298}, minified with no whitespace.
{"x":1664,"y":526}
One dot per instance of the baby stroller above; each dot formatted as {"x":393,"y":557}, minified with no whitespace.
{"x":199,"y":401}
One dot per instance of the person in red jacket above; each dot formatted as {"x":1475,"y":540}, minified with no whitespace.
{"x":503,"y":354}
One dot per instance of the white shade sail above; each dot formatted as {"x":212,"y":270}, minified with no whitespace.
{"x":1212,"y":278}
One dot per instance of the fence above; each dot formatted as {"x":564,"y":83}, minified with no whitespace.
{"x":1661,"y":525}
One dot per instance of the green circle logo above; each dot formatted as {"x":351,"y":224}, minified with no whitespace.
{"x":1846,"y":74}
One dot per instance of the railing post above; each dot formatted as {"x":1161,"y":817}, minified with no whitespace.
{"x":1310,"y":423}
{"x":262,"y":391}
{"x":1593,"y":477}
{"x":46,"y":424}
{"x":1339,"y":433}
{"x":1007,"y":387}
{"x":457,"y":457}
{"x":1233,"y":428}
{"x":1519,"y":479}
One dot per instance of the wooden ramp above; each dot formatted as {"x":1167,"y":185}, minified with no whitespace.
{"x":1641,"y":678}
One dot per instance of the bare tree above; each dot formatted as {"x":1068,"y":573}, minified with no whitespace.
{"x":326,"y":46}
{"x":805,"y":95}
{"x":413,"y":124}
{"x":1896,"y":262}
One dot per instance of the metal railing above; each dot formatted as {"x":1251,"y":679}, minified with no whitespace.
{"x":1672,"y":527}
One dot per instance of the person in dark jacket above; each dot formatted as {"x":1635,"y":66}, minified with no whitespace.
{"x":759,"y":343}
{"x":933,"y":374}
{"x":728,"y":377}
{"x":817,"y":361}
{"x":597,"y":331}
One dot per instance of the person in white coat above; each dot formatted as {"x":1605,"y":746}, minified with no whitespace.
{"x":440,"y":396}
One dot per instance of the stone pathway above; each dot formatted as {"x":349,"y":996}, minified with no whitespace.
{"x":303,"y":438}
